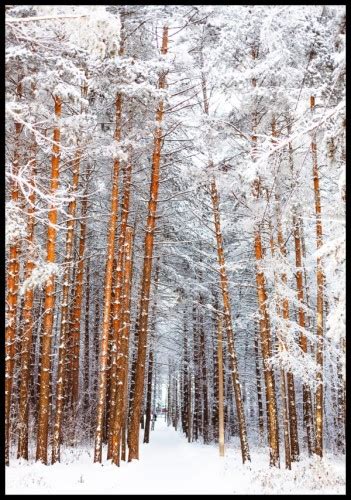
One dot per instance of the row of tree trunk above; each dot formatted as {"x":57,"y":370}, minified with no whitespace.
{"x":126,"y":378}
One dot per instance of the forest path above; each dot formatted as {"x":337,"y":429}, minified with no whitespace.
{"x":168,"y":464}
{"x":171,"y":465}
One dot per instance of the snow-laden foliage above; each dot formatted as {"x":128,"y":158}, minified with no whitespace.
{"x":40,"y":275}
{"x":15,"y":223}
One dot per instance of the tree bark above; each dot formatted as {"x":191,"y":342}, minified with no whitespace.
{"x":11,"y":297}
{"x":149,"y":416}
{"x":148,"y":397}
{"x":220,"y":390}
{"x":203,"y":375}
{"x":294,"y":441}
{"x":320,"y":298}
{"x":265,"y":333}
{"x":271,"y":403}
{"x":77,"y":308}
{"x":133,"y":431}
{"x":27,"y":333}
{"x":307,"y":399}
{"x":49,"y":304}
{"x":196,"y":360}
{"x":282,"y":309}
{"x":61,"y":371}
{"x":108,"y":287}
{"x":86,"y":371}
{"x":123,"y":353}
{"x":116,"y":307}
{"x":228,"y":321}
{"x":259,"y":389}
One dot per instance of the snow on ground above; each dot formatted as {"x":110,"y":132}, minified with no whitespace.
{"x":169,"y":464}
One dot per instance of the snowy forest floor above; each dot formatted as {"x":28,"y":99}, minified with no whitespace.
{"x":169,"y":464}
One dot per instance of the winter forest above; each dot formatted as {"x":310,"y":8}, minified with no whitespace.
{"x":175,"y":249}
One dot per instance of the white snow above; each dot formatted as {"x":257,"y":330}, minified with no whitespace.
{"x":171,"y":465}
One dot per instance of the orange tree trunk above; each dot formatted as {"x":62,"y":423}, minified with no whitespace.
{"x":229,"y":327}
{"x":259,"y":389}
{"x":122,"y":359}
{"x":11,"y":298}
{"x":294,"y":442}
{"x":112,"y":340}
{"x":320,"y":300}
{"x":108,"y":286}
{"x":196,"y":363}
{"x":220,"y":390}
{"x":226,"y":302}
{"x":49,"y":305}
{"x":271,"y":403}
{"x":126,"y":322}
{"x":203,"y":373}
{"x":185,"y":382}
{"x":272,"y":417}
{"x":27,"y":333}
{"x":281,"y":308}
{"x":111,"y":356}
{"x":133,"y":431}
{"x":307,"y":399}
{"x":116,"y":344}
{"x":149,"y":397}
{"x":116,"y":308}
{"x":64,"y":315}
{"x":151,"y":358}
{"x":87,"y":369}
{"x":77,"y":308}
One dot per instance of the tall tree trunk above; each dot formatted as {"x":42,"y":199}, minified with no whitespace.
{"x":220,"y":390}
{"x":294,"y":442}
{"x":341,"y":402}
{"x":61,"y":371}
{"x":228,"y":321}
{"x":196,"y":359}
{"x":307,"y":398}
{"x":108,"y":286}
{"x":271,"y":403}
{"x":116,"y":344}
{"x":95,"y":350}
{"x":185,"y":380}
{"x":226,"y":300}
{"x":116,"y":307}
{"x":259,"y":389}
{"x":123,"y":353}
{"x":27,"y":333}
{"x":320,"y":300}
{"x":133,"y":366}
{"x":149,"y":397}
{"x":169,"y":397}
{"x":49,"y":304}
{"x":86,"y":378}
{"x":110,"y":373}
{"x":215,"y":403}
{"x":149,"y":416}
{"x":189,"y":406}
{"x":77,"y":308}
{"x":12,"y":294}
{"x":203,"y":375}
{"x":133,"y":431}
{"x":282,"y":309}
